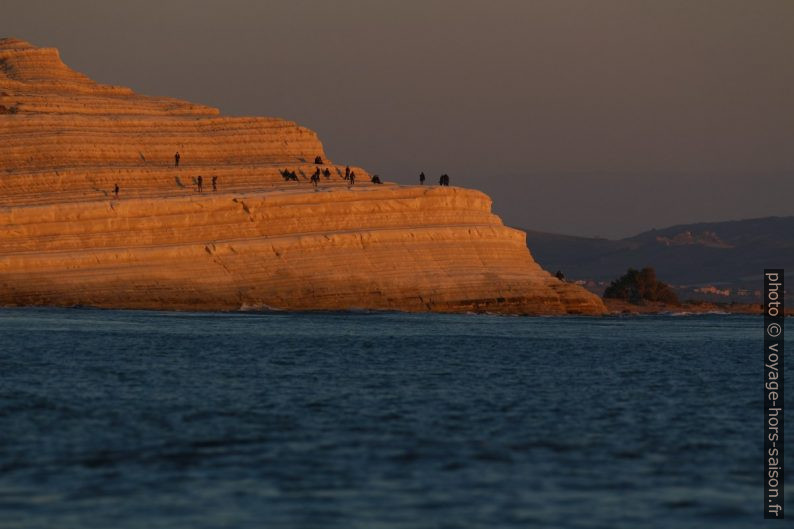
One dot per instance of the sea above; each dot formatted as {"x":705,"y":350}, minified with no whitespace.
{"x":141,"y":419}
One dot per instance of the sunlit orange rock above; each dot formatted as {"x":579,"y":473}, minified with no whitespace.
{"x":256,"y":242}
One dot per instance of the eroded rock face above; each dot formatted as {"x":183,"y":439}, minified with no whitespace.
{"x":256,"y":242}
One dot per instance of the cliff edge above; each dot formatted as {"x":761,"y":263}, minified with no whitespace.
{"x":249,"y":239}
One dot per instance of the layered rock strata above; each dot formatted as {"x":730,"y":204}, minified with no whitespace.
{"x":255,"y":242}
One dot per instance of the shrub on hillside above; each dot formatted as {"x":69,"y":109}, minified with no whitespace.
{"x":640,"y":285}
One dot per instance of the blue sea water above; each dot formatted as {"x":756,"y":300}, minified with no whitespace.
{"x":129,"y":419}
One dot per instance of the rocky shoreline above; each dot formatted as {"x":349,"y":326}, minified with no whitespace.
{"x":616,"y":306}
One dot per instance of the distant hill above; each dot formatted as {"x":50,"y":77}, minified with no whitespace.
{"x":727,"y":255}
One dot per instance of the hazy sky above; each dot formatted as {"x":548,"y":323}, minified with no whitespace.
{"x":588,"y":117}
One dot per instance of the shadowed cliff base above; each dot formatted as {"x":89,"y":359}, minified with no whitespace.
{"x":94,"y":211}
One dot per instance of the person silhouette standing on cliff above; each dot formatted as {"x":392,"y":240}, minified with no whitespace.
{"x":214,"y":183}
{"x":422,"y":178}
{"x":352,"y":178}
{"x":116,"y":191}
{"x":176,"y":159}
{"x":199,"y":183}
{"x":347,"y":172}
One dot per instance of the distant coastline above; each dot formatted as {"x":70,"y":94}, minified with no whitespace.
{"x":717,"y":262}
{"x":616,"y":306}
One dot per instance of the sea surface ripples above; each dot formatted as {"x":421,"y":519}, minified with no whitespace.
{"x":131,"y":419}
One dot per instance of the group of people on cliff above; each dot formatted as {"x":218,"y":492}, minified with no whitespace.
{"x":199,"y":180}
{"x":199,"y":183}
{"x":443,"y":180}
{"x":315,"y":179}
{"x":291,"y":175}
{"x":350,"y":176}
